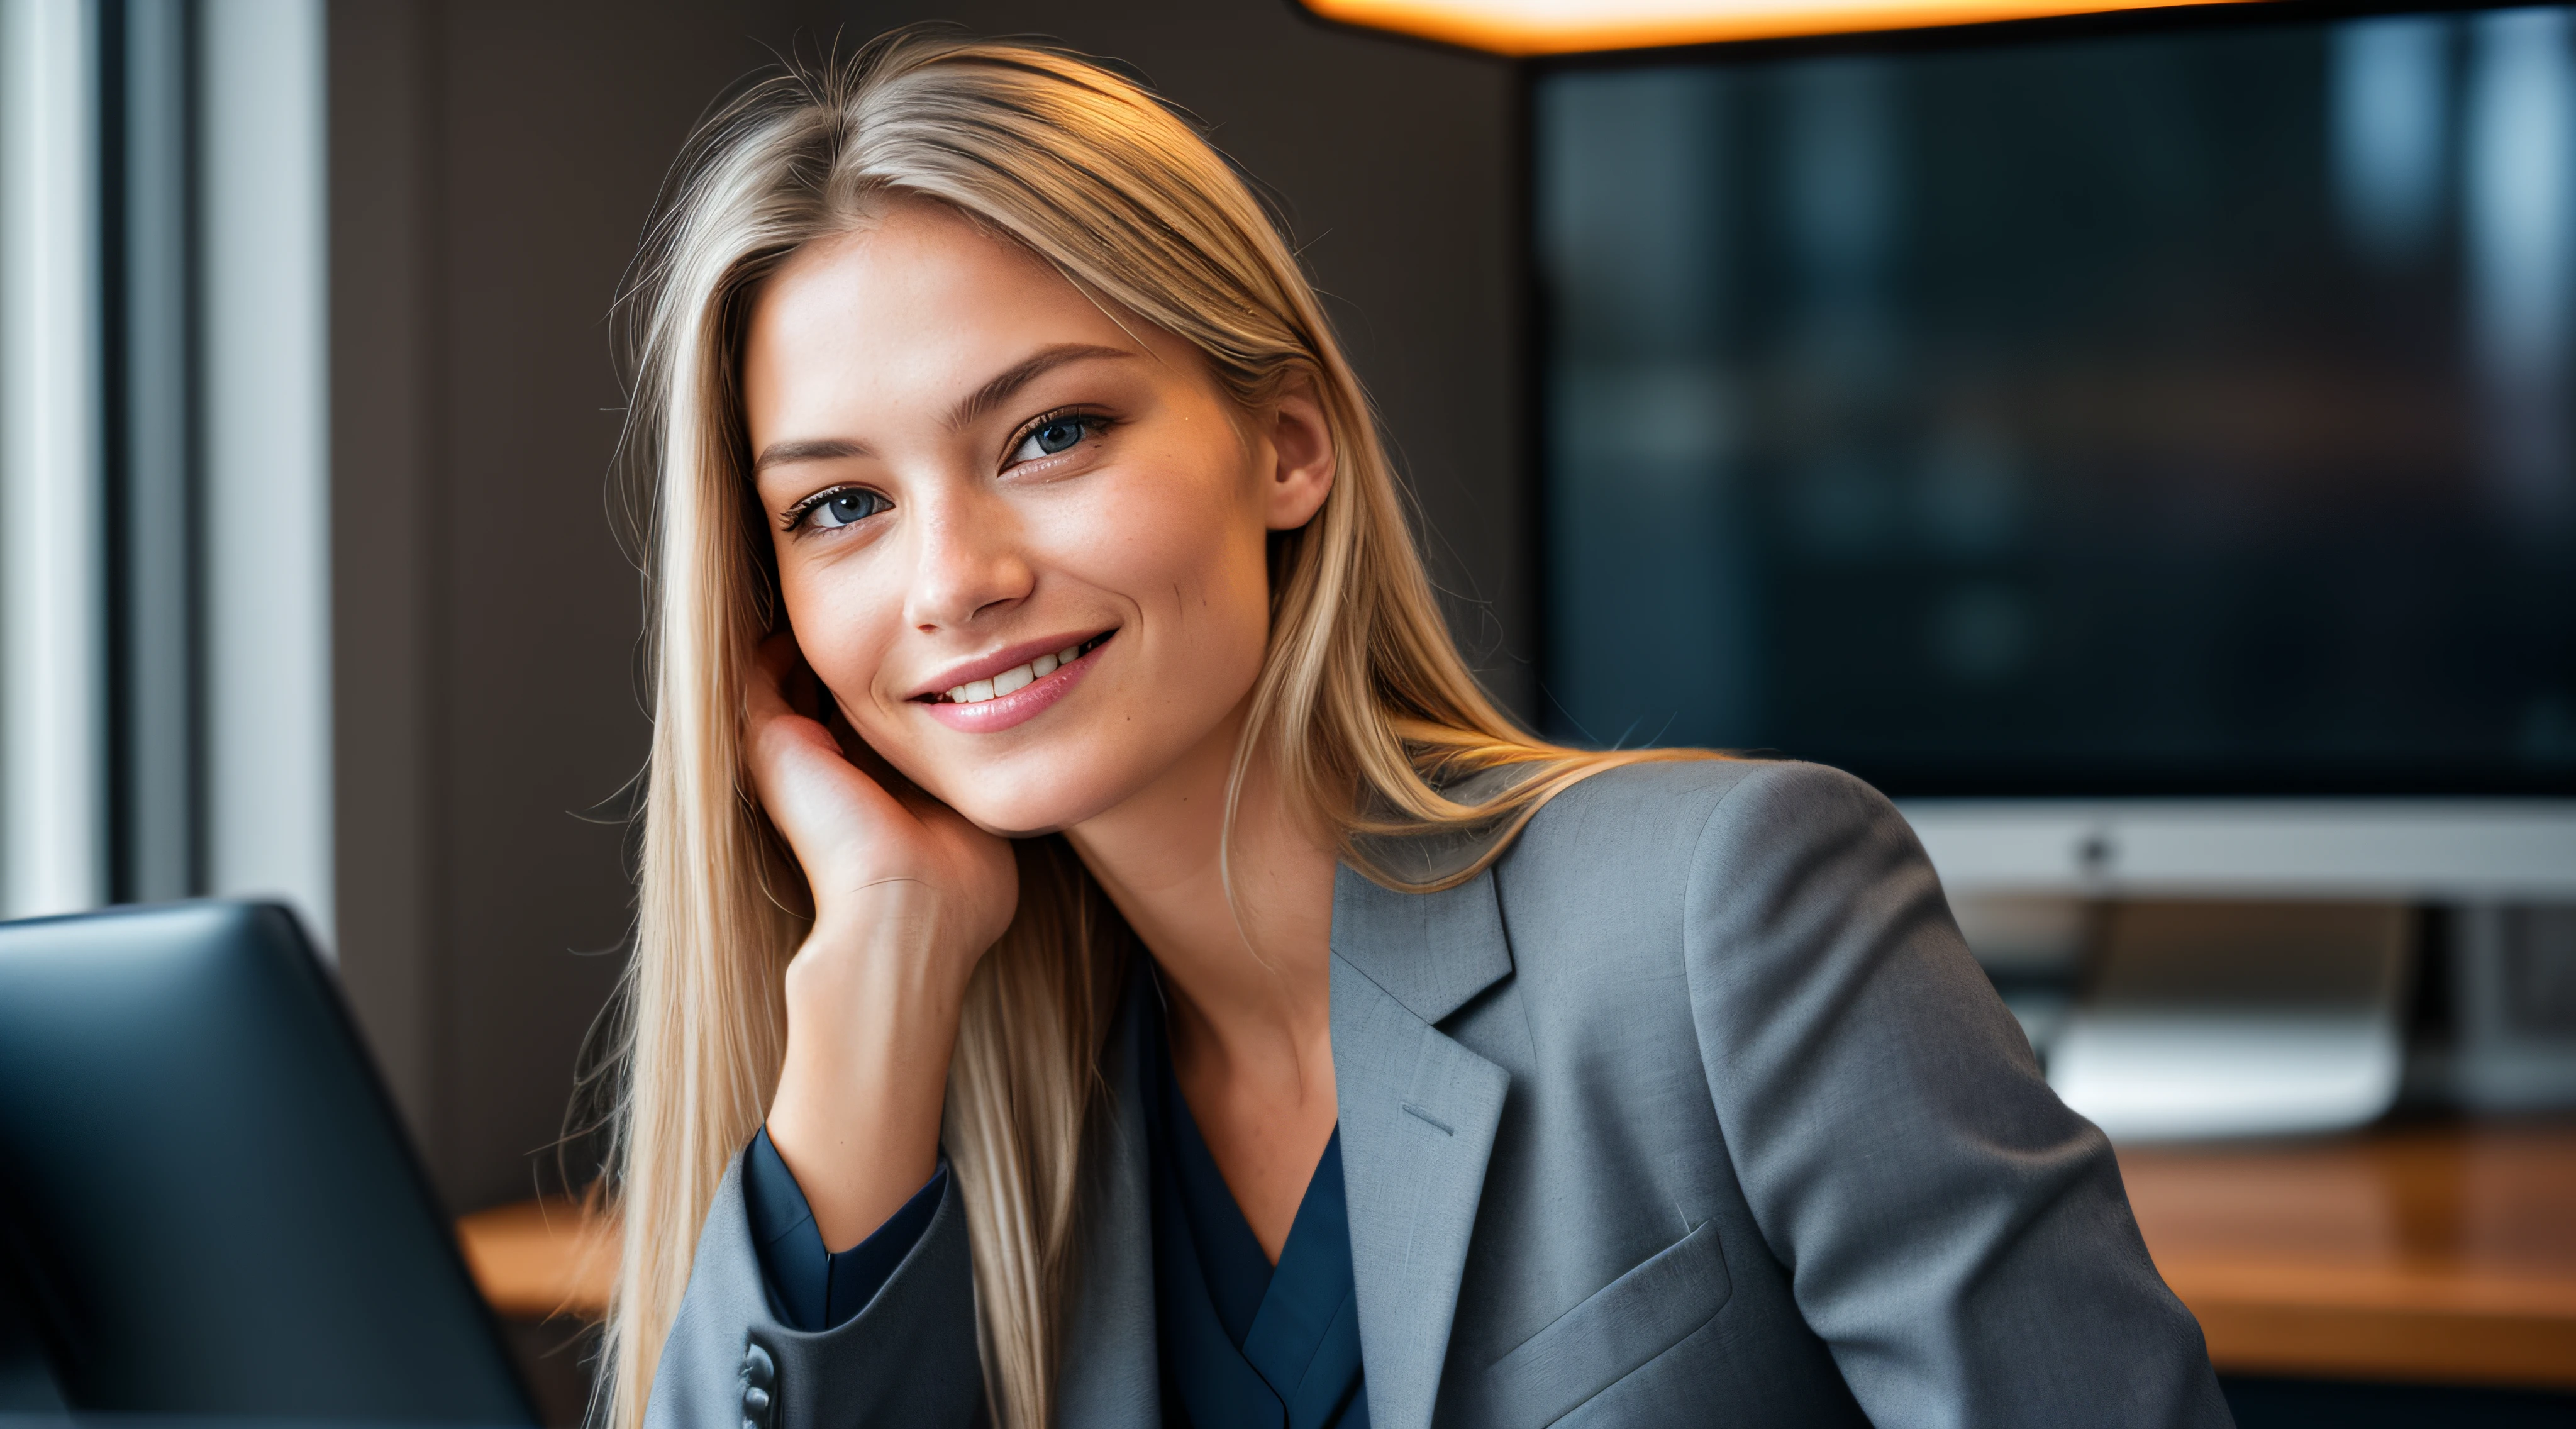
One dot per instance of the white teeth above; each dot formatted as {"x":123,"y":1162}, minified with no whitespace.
{"x":975,"y":692}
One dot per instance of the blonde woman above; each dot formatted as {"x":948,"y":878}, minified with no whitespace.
{"x":1103,"y":961}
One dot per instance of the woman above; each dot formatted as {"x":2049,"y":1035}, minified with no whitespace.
{"x":1102,"y":960}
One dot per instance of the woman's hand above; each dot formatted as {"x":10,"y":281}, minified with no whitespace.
{"x":907,"y":897}
{"x":868,"y":839}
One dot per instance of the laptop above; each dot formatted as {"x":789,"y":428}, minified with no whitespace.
{"x":207,"y":1205}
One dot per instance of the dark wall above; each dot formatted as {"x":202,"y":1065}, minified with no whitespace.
{"x":493,"y":166}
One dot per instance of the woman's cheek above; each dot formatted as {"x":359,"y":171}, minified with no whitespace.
{"x":1186,"y":536}
{"x":839,"y":646}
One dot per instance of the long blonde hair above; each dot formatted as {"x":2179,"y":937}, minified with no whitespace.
{"x":1362,"y":704}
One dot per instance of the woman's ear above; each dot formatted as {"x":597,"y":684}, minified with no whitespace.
{"x":1303,"y":461}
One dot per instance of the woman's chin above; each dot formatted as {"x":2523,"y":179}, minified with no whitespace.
{"x":1026,"y":808}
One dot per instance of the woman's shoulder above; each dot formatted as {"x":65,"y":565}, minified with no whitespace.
{"x":1623,"y":864}
{"x":1640,"y":815}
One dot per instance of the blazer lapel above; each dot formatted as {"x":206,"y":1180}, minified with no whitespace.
{"x":1418,"y":1113}
{"x":1110,"y":1374}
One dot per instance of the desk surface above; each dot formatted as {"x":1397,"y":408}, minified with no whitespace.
{"x":2416,"y":1253}
{"x":2439,"y":1253}
{"x":541,"y":1258}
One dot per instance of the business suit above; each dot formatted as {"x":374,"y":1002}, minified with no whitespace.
{"x":1692,"y":1109}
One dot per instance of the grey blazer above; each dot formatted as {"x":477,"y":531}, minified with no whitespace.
{"x":1692,"y":1110}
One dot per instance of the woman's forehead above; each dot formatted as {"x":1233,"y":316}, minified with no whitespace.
{"x":908,"y":308}
{"x":909,"y":311}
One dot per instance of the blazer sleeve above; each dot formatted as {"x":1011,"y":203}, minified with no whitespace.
{"x":1957,"y":1236}
{"x":908,"y":1358}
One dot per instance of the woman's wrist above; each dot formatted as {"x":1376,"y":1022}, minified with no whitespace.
{"x":872,"y":1013}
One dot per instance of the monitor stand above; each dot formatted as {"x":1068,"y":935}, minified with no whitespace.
{"x":2513,"y":991}
{"x":2210,"y":1019}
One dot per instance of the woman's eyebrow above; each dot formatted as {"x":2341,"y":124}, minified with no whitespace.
{"x":823,"y":449}
{"x":982,"y":400}
{"x":992,"y":394}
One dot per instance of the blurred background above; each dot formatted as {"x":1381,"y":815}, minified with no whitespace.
{"x":310,"y":583}
{"x":313,"y":584}
{"x":2144,"y":445}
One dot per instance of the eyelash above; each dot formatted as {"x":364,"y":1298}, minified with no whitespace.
{"x":796,"y":517}
{"x":1093,"y":423}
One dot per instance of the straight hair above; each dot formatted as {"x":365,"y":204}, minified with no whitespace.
{"x":1368,"y":715}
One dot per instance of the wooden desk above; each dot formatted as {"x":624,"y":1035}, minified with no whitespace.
{"x":2442,"y":1253}
{"x":538,"y":1259}
{"x":2430,"y":1254}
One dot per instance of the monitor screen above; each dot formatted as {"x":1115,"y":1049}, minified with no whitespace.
{"x":2187,"y":409}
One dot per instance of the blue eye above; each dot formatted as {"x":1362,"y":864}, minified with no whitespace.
{"x":843,"y":508}
{"x":1053,"y":436}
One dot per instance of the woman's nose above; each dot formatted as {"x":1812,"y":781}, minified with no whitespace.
{"x":968,"y":565}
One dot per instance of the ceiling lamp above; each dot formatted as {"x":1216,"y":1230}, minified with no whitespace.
{"x":1555,"y":27}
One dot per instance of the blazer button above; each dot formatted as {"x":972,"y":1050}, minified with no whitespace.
{"x":759,"y":1380}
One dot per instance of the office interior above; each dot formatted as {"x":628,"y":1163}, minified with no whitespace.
{"x":2144,"y":444}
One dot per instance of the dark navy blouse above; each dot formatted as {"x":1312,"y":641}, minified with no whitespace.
{"x":1242,"y":1343}
{"x":814,"y":1289}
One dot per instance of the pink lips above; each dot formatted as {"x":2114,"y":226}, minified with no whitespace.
{"x":1019,"y":706}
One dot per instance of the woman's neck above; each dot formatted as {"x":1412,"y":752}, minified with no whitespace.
{"x":1253,"y":967}
{"x":1246,"y":968}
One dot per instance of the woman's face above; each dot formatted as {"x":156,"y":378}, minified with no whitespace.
{"x":1021,"y":541}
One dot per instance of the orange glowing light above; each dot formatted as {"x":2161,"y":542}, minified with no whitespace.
{"x":1556,"y":27}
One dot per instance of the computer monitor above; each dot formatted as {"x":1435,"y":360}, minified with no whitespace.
{"x":2145,"y":446}
{"x":207,"y":1205}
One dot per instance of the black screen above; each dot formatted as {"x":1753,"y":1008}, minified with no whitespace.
{"x":2184,"y":410}
{"x":207,"y":1205}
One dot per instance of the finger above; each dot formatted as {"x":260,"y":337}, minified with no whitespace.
{"x":864,"y":756}
{"x":777,"y":735}
{"x":856,"y":749}
{"x":785,"y":726}
{"x":798,"y":686}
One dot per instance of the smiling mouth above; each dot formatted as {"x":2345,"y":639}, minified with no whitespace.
{"x":1018,"y":677}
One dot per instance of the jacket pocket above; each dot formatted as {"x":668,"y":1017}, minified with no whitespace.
{"x":1618,"y":1329}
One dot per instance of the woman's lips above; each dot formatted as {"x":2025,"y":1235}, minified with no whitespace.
{"x":1021,"y":705}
